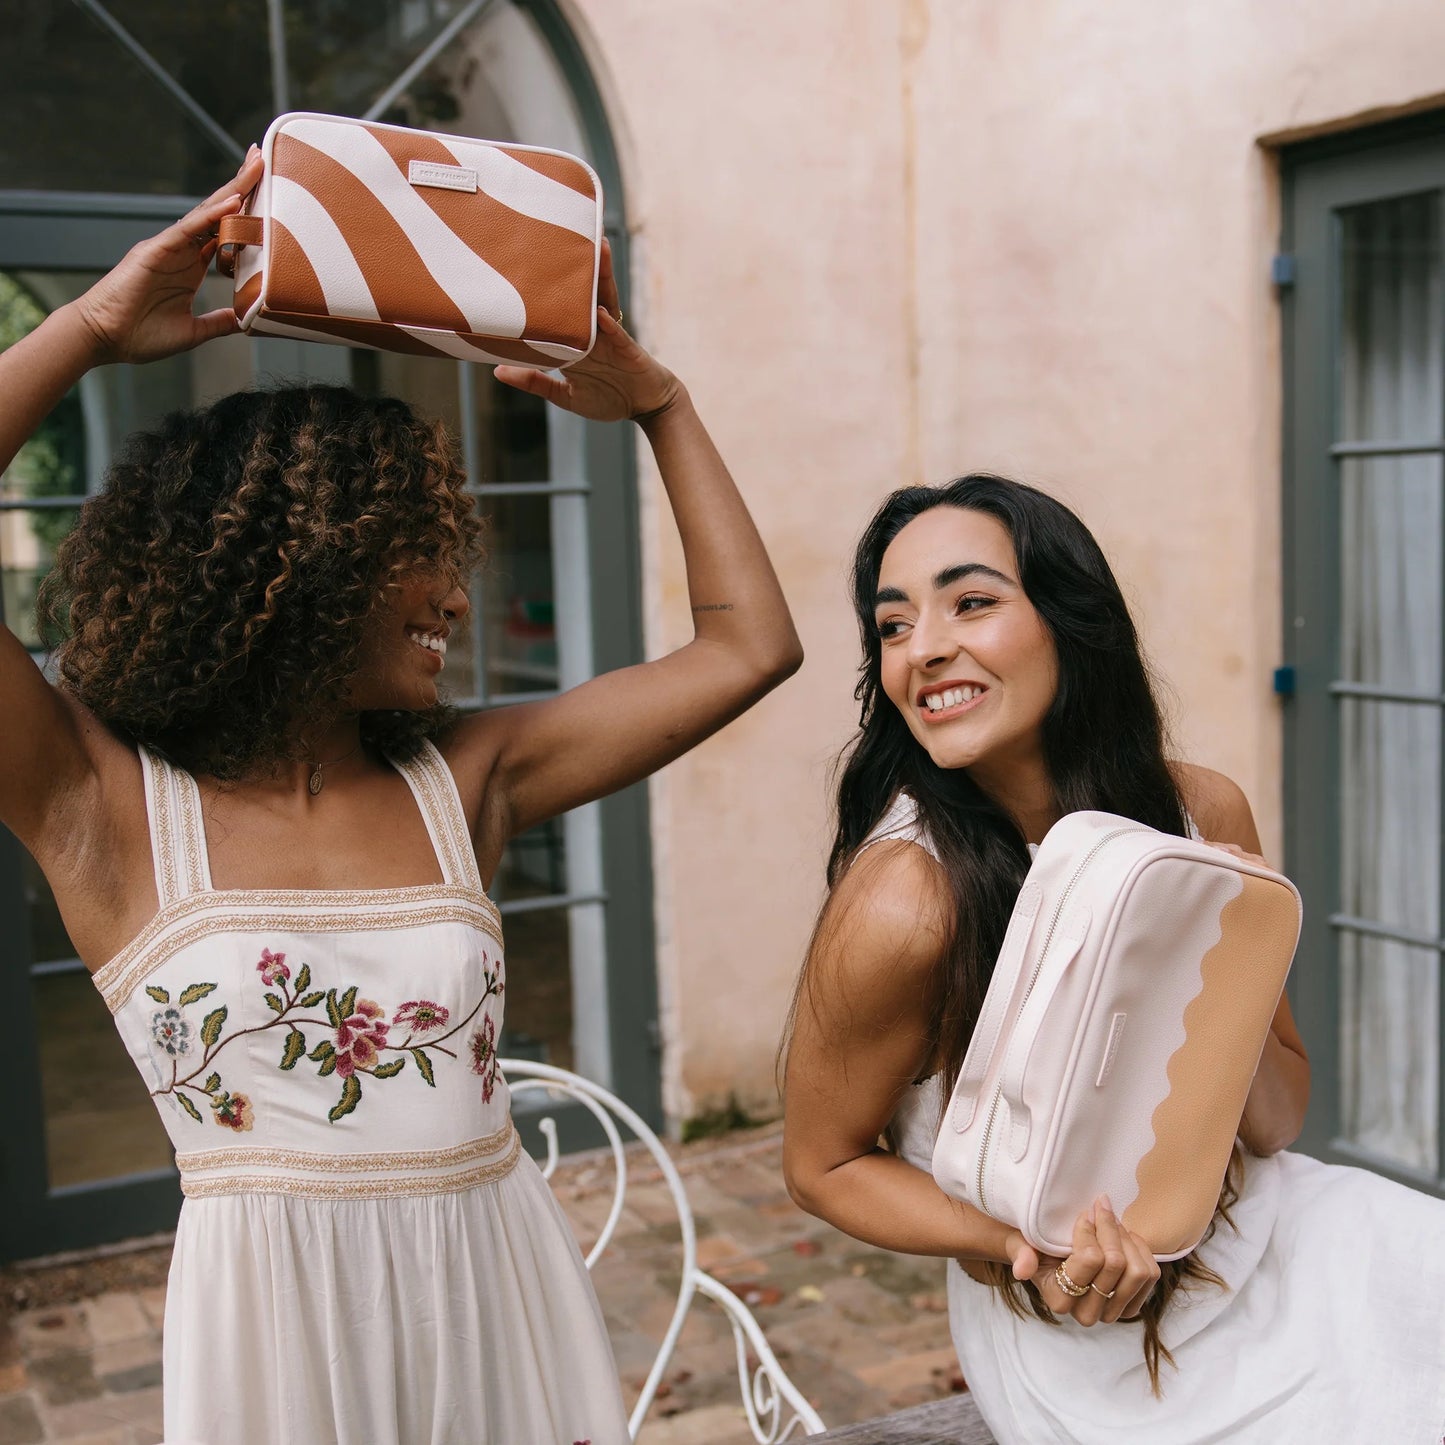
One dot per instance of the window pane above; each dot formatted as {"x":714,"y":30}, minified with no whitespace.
{"x":1390,"y":334}
{"x":1390,"y":814}
{"x":92,"y":118}
{"x":1390,"y":559}
{"x":99,"y":1120}
{"x":1389,"y":1049}
{"x":517,"y":608}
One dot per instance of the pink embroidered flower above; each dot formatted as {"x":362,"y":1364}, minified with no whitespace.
{"x":483,"y":1044}
{"x":359,"y":1039}
{"x":233,"y":1110}
{"x":421,"y":1016}
{"x":272,"y":968}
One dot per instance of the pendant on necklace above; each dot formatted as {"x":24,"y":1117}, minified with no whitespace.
{"x":314,"y":782}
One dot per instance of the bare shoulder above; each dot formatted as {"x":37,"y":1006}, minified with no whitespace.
{"x":886,"y":924}
{"x":1218,"y":805}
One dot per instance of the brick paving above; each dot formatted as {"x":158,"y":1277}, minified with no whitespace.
{"x":861,"y":1332}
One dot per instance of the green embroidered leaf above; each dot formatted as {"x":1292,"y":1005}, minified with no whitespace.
{"x":196,"y":992}
{"x":312,"y":999}
{"x":332,"y":1012}
{"x":322,"y":1050}
{"x":303,"y":978}
{"x":387,"y":1071}
{"x":159,"y":994}
{"x":328,"y":1065}
{"x":350,"y":1098}
{"x":213,"y":1082}
{"x":424,"y":1066}
{"x":274,"y":1003}
{"x":295,"y":1047}
{"x":348,"y":1002}
{"x":189,"y":1107}
{"x":211,"y":1025}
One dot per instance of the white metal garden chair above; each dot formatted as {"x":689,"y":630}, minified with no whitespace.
{"x":768,"y":1394}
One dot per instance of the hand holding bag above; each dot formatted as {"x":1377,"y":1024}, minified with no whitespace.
{"x":403,"y":240}
{"x":1119,"y":1035}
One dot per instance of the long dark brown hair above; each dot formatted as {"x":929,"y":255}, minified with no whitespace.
{"x":1104,"y":747}
{"x":212,"y":600}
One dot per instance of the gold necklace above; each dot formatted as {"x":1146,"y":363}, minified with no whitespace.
{"x":316,"y":781}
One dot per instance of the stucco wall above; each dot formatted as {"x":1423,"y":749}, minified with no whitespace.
{"x":892,"y":240}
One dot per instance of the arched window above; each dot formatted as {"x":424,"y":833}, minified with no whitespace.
{"x":129,"y":108}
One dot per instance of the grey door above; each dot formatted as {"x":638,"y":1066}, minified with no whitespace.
{"x":1365,"y":595}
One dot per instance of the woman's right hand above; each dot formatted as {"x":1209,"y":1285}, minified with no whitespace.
{"x":1116,"y":1268}
{"x":141,"y":311}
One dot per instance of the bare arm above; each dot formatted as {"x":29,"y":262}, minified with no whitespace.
{"x":51,"y":747}
{"x":549,"y":756}
{"x":1274,"y":1112}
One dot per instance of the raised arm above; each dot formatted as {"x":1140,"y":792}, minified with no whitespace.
{"x":546,"y":757}
{"x":50,"y":745}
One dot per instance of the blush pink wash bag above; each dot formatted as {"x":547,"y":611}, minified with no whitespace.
{"x":1119,"y":1035}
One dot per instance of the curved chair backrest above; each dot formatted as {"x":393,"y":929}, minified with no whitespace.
{"x":775,"y":1408}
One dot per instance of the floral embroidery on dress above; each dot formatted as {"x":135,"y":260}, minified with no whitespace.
{"x":359,"y":1036}
{"x":484,"y":1056}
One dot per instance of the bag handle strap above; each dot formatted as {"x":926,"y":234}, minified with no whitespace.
{"x":242,"y":229}
{"x":997,"y":1002}
{"x":1066,"y":949}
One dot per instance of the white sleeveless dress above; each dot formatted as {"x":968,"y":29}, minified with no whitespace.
{"x":365,"y":1254}
{"x":1331,"y":1327}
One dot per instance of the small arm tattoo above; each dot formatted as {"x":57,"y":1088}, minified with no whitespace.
{"x":714,"y":607}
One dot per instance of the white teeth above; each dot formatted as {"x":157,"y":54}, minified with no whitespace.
{"x":431,"y":641}
{"x":951,"y":697}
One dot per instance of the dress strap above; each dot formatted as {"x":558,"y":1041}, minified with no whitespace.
{"x":435,"y":790}
{"x":178,"y":835}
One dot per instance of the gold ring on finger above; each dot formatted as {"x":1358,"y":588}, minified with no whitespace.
{"x":1098,"y":1291}
{"x":1065,"y":1283}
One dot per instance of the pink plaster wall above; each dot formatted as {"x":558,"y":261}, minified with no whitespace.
{"x":892,"y":240}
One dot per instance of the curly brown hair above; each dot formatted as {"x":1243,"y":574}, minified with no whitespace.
{"x":211,"y":601}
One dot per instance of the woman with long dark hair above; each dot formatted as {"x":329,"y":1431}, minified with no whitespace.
{"x":270,"y":842}
{"x":1002,"y":686}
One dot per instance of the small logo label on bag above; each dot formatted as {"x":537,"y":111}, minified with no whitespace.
{"x":1116,"y":1032}
{"x":446,"y":178}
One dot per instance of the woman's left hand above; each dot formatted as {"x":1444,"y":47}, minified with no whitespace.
{"x":1110,"y":1264}
{"x":617,"y":380}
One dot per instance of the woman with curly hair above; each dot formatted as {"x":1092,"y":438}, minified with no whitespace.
{"x":1002,"y":686}
{"x":269,"y":842}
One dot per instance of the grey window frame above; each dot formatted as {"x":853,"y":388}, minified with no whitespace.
{"x":1318,"y":179}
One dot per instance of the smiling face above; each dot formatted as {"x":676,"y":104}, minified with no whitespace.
{"x":964,"y":655}
{"x":406,"y":643}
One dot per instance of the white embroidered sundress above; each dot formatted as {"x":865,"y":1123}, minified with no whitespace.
{"x":1330,"y":1327}
{"x":365,"y":1254}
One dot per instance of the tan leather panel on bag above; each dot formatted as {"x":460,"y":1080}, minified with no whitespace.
{"x":509,"y":242}
{"x":1209,"y":1074}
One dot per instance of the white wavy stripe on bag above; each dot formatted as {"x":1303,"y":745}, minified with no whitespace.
{"x":325,"y":247}
{"x":464,"y":350}
{"x":517,"y":186}
{"x":490,"y":303}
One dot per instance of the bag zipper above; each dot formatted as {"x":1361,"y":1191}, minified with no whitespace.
{"x":1033,"y":979}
